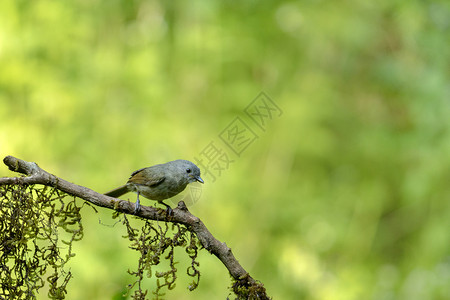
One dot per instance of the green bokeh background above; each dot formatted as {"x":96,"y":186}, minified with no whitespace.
{"x":344,"y":196}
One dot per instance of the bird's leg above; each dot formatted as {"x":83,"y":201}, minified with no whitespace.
{"x":169,"y":210}
{"x":137,"y":207}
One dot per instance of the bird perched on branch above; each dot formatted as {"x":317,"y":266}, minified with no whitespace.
{"x":160,"y":182}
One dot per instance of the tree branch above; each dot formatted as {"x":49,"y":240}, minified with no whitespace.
{"x":36,"y":175}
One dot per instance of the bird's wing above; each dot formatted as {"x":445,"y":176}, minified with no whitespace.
{"x":140,"y":177}
{"x":135,"y":172}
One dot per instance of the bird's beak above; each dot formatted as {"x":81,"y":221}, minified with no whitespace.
{"x":199,"y":179}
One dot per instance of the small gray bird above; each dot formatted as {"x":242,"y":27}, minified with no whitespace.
{"x":160,"y":182}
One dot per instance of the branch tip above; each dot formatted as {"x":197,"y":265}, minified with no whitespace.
{"x":21,"y":166}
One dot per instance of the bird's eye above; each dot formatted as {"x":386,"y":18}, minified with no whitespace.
{"x":188,"y":170}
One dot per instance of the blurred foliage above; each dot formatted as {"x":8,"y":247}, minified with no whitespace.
{"x":343,"y":196}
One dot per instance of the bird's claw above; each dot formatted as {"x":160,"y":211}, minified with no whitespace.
{"x":169,"y":211}
{"x":137,"y":207}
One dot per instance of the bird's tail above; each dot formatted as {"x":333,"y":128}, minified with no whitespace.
{"x":118,"y":192}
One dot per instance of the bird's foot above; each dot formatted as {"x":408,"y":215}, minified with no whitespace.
{"x":169,"y":210}
{"x":137,"y":207}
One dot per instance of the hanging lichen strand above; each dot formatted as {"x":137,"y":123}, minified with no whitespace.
{"x":154,"y":242}
{"x":37,"y":230}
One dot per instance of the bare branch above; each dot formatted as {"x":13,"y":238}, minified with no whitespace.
{"x":36,"y":175}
